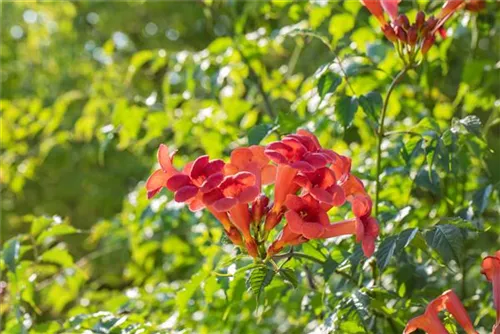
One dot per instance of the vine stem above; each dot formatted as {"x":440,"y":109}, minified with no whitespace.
{"x":381,"y":134}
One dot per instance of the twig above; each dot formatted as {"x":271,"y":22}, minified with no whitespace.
{"x":380,"y":134}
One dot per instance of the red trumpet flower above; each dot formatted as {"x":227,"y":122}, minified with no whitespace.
{"x":200,"y":177}
{"x":490,"y":268}
{"x":430,"y":322}
{"x":252,"y":159}
{"x":159,"y":178}
{"x":322,"y":185}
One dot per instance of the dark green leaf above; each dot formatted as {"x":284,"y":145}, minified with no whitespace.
{"x":345,"y":109}
{"x":329,"y":267}
{"x":257,"y":133}
{"x":328,"y":83}
{"x":405,"y":238}
{"x":259,"y":279}
{"x":289,"y":276}
{"x":447,"y":240}
{"x":481,"y":198}
{"x":459,"y":222}
{"x":385,"y":251}
{"x":471,"y":123}
{"x":11,"y":253}
{"x":371,"y":104}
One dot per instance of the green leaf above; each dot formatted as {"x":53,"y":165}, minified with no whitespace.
{"x":259,"y":279}
{"x":448,"y":242}
{"x":10,"y":252}
{"x":471,"y":123}
{"x":56,"y":230}
{"x":183,"y":297}
{"x":59,"y":256}
{"x":385,"y":251}
{"x":481,"y":198}
{"x":39,"y":224}
{"x":328,"y":83}
{"x":329,"y":267}
{"x":346,"y":108}
{"x":371,"y":104}
{"x":289,"y":276}
{"x":405,"y":238}
{"x":459,"y":222}
{"x":257,"y":133}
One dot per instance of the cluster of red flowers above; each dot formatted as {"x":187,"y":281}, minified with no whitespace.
{"x":430,"y":322}
{"x":308,"y":181}
{"x":421,"y":33}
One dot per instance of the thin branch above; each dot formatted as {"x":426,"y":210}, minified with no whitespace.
{"x":380,"y":133}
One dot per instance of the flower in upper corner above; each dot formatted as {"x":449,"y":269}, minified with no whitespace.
{"x":198,"y":178}
{"x":159,"y":178}
{"x":490,"y":268}
{"x":430,"y":322}
{"x":475,"y":5}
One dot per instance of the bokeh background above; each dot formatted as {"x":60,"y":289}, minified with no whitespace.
{"x":90,"y":89}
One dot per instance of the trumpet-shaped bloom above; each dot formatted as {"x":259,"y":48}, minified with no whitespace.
{"x":305,"y":220}
{"x":235,"y":189}
{"x":322,"y":186}
{"x":159,"y":178}
{"x":252,"y":159}
{"x":200,"y":177}
{"x":491,"y":269}
{"x":430,"y":322}
{"x":364,"y":227}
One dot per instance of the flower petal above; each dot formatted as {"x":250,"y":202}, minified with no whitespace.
{"x":152,"y":193}
{"x":212,"y":182}
{"x":165,"y":159}
{"x":308,"y":134}
{"x":198,"y":166}
{"x":157,"y":180}
{"x":241,"y":157}
{"x":196,"y":205}
{"x":321,"y":195}
{"x":214,"y":166}
{"x":294,"y":203}
{"x":361,"y":206}
{"x":268,"y":174}
{"x":294,"y":221}
{"x":317,"y":160}
{"x":185,"y":193}
{"x":248,"y":195}
{"x":303,"y":166}
{"x":391,"y":8}
{"x":312,"y":230}
{"x":224,"y":204}
{"x":178,"y":181}
{"x":276,"y":157}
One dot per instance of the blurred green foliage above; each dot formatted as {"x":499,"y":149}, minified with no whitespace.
{"x":89,"y":91}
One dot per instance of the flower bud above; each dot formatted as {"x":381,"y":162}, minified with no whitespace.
{"x":401,"y":34}
{"x":389,"y":33}
{"x":427,"y":43}
{"x":259,"y":208}
{"x":420,"y":19}
{"x":272,"y":219}
{"x":428,"y":26}
{"x":403,"y":21}
{"x":412,"y":35}
{"x":251,"y":247}
{"x":234,"y":235}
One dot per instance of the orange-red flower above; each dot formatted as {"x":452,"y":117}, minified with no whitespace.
{"x":430,"y":322}
{"x":159,"y":178}
{"x":305,"y":220}
{"x":322,"y":186}
{"x":475,"y":5}
{"x":199,"y":178}
{"x":297,"y":152}
{"x":364,"y":227}
{"x":490,"y":268}
{"x":252,"y":159}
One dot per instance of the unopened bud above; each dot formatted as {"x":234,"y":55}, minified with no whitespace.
{"x":389,"y":33}
{"x":259,"y":208}
{"x":272,"y":219}
{"x":427,"y":43}
{"x":251,"y":246}
{"x":420,"y":19}
{"x":401,"y":34}
{"x":412,"y":35}
{"x":403,"y":21}
{"x":234,"y":235}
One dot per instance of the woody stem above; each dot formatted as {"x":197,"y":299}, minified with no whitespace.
{"x":380,"y":134}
